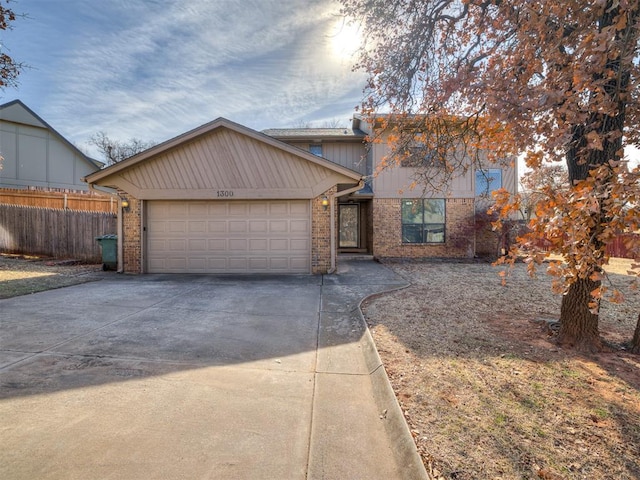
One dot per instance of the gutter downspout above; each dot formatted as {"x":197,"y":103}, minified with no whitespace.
{"x":332,"y":242}
{"x":119,"y":227}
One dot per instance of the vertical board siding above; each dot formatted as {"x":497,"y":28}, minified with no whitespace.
{"x":54,"y":232}
{"x":225,"y":160}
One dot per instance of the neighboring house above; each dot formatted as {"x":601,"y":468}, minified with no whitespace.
{"x":34,"y":155}
{"x":226,"y":199}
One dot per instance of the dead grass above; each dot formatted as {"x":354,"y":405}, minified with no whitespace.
{"x":23,"y":275}
{"x":486,"y":392}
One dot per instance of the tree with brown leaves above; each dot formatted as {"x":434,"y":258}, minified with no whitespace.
{"x":486,"y":80}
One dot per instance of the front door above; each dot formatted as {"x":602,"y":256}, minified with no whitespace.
{"x":349,"y":220}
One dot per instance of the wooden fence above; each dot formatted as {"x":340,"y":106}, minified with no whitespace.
{"x":619,"y":246}
{"x":85,"y":201}
{"x":54,"y":232}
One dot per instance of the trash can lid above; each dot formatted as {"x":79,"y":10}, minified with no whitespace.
{"x":110,"y":236}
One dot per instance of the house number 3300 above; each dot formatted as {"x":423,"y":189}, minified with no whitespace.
{"x":224,"y":193}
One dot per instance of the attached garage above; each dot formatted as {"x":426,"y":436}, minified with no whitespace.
{"x":226,"y":199}
{"x":270,"y":236}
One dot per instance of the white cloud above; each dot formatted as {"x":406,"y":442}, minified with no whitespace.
{"x":154,"y":69}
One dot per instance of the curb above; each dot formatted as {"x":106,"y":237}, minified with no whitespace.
{"x":404,"y":447}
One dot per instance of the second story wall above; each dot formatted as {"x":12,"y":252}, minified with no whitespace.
{"x":396,"y":181}
{"x":347,"y":154}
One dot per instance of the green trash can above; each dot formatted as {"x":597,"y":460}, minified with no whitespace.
{"x":109,"y":244}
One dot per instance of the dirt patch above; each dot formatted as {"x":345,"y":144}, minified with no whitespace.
{"x":487,"y":393}
{"x":23,"y":275}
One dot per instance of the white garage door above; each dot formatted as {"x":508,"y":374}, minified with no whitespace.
{"x":229,"y":236}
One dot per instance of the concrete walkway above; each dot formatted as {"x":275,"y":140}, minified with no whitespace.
{"x":190,"y":377}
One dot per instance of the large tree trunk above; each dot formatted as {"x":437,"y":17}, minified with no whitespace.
{"x":635,"y":343}
{"x":578,"y":326}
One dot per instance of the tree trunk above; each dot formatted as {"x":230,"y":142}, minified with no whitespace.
{"x":578,"y":326}
{"x":635,"y":343}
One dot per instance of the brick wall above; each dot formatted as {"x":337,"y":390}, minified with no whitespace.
{"x":321,"y":233}
{"x":387,"y":231}
{"x":131,"y":228}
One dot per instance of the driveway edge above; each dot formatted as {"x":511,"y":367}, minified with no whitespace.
{"x":404,"y":447}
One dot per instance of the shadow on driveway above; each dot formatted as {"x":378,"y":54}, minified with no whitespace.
{"x":172,"y":376}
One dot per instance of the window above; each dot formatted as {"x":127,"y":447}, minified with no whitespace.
{"x":423,"y":220}
{"x":419,"y":155}
{"x":316,"y":149}
{"x":488,"y":181}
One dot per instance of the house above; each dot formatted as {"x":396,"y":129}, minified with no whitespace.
{"x":34,"y":155}
{"x":224,"y":198}
{"x":388,"y":218}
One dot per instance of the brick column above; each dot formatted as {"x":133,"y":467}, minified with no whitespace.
{"x":131,"y":242}
{"x":321,"y":233}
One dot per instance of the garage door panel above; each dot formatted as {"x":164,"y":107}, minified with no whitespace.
{"x":217,"y":245}
{"x":279,"y":209}
{"x":237,"y":226}
{"x":299,"y":245}
{"x":259,"y":263}
{"x":257,"y":226}
{"x":238,"y":244}
{"x":216,"y":264}
{"x":279,"y":244}
{"x":198,"y":208}
{"x":238,"y":209}
{"x":228,"y":236}
{"x":217,"y":227}
{"x":279,"y":226}
{"x":299,"y":226}
{"x":198,"y":245}
{"x":197,"y":226}
{"x":258,"y":209}
{"x":258,"y":245}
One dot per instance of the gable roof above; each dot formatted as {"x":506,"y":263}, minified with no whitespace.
{"x":17,"y":112}
{"x":223,"y":154}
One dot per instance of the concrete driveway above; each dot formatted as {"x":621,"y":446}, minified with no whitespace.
{"x":226,"y":377}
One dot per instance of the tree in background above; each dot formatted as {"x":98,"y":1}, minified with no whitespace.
{"x":553,"y":81}
{"x":114,"y":151}
{"x":9,"y":68}
{"x":539,"y":185}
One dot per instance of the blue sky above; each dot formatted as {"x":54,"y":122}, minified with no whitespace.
{"x":153,"y":69}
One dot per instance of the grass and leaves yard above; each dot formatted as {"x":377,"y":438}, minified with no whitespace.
{"x":486,"y":392}
{"x":484,"y":389}
{"x":25,"y":274}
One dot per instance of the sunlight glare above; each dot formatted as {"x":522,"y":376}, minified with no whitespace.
{"x":345,"y":38}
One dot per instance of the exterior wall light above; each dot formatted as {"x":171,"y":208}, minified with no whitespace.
{"x":125,"y":204}
{"x":325,"y":202}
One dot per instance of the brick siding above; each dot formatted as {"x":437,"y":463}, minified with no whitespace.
{"x":131,"y":229}
{"x":459,"y":231}
{"x":321,"y":233}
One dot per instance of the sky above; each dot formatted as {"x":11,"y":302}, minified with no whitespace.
{"x":154,"y":69}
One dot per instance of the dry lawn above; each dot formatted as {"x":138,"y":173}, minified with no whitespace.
{"x":22,"y":275}
{"x":486,"y":392}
